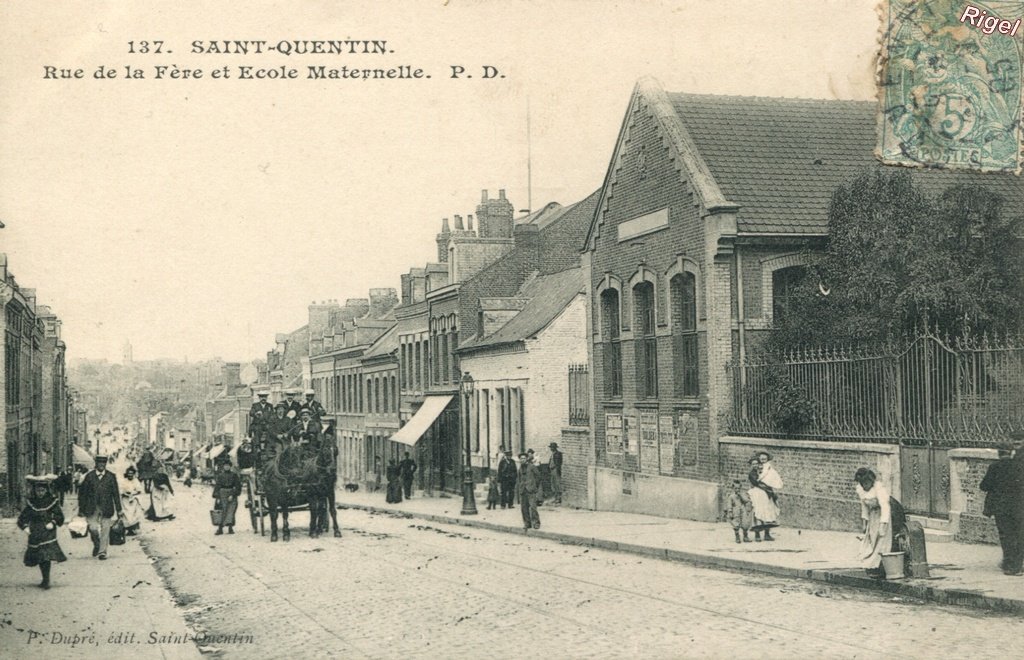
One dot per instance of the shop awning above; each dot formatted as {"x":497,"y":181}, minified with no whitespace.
{"x":215,"y":451}
{"x":421,"y":421}
{"x":81,"y":456}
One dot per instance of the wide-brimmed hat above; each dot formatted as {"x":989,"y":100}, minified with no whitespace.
{"x":553,"y":445}
{"x":40,"y":479}
{"x":100,"y":458}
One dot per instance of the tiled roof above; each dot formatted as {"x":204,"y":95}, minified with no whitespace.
{"x":781,"y":159}
{"x":549,"y":295}
{"x":386,"y":344}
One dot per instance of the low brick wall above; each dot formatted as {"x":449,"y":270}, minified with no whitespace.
{"x":967,"y":468}
{"x":575,"y":446}
{"x":818,"y":490}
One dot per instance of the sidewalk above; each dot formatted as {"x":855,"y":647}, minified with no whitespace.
{"x":961,"y":574}
{"x":94,"y":609}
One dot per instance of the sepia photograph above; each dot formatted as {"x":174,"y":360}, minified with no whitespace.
{"x":531,"y":328}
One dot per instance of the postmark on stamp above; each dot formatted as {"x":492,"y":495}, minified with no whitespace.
{"x":950,"y":84}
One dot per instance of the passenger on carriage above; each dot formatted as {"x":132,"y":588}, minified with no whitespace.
{"x":259,"y":415}
{"x":307,"y":432}
{"x":292,"y":407}
{"x":312,"y":405}
{"x":279,"y":430}
{"x":246,"y":455}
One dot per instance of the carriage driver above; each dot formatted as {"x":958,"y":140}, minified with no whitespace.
{"x":259,"y":415}
{"x":312,"y":405}
{"x":307,"y":432}
{"x":292,"y":408}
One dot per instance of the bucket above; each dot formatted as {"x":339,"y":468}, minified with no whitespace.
{"x":892,"y":563}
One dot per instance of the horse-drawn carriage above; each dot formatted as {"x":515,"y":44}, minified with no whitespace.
{"x":293,"y":477}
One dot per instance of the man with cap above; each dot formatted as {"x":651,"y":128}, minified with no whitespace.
{"x":555,"y":470}
{"x":99,"y":499}
{"x":528,"y":486}
{"x":507,"y":479}
{"x":313,"y":406}
{"x":307,"y":431}
{"x":292,"y":408}
{"x":259,"y":415}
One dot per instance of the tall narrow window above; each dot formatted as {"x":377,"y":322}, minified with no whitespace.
{"x":683,"y":290}
{"x":612,"y":349}
{"x":454,"y":346}
{"x":645,"y":344}
{"x":785,"y":285}
{"x":386,"y":406}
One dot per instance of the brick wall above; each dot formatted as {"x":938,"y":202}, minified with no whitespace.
{"x":818,"y":490}
{"x":967,"y":468}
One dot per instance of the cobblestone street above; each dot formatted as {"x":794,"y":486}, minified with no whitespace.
{"x":396,"y":587}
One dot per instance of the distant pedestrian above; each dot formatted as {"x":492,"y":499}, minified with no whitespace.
{"x":226,"y":489}
{"x":161,"y":496}
{"x":1004,"y":483}
{"x":394,"y":494}
{"x":131,"y":505}
{"x":555,"y":472}
{"x":407,"y":470}
{"x":739,"y":511}
{"x":40,"y":519}
{"x":378,"y":472}
{"x":528,"y":487}
{"x":507,"y":479}
{"x":99,"y":499}
{"x":764,"y":495}
{"x":492,"y":492}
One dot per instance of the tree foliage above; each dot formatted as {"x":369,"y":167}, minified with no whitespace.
{"x":897,"y":259}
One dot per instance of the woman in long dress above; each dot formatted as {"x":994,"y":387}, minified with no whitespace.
{"x":131,"y":490}
{"x":40,"y":519}
{"x":765,"y":486}
{"x":394,"y":483}
{"x":876,"y":514}
{"x":161,"y":495}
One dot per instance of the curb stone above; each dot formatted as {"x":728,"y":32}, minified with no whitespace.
{"x":957,"y":597}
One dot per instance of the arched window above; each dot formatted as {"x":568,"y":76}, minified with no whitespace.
{"x":386,"y":405}
{"x":646,"y":346}
{"x":785,"y":283}
{"x":683,"y":292}
{"x":610,"y":326}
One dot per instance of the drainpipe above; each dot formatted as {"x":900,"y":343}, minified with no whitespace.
{"x":741,"y":317}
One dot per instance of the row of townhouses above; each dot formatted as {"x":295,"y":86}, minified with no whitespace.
{"x":622,"y":327}
{"x":39,"y":419}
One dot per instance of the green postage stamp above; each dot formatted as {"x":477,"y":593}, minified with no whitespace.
{"x":950,"y":84}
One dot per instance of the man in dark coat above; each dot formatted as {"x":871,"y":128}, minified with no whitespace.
{"x":259,"y":416}
{"x":307,"y":431}
{"x":1004,"y":485}
{"x":555,"y":472}
{"x":507,"y":479}
{"x":528,"y":486}
{"x":292,"y":408}
{"x":98,"y":501}
{"x":407,"y":470}
{"x":314,"y":406}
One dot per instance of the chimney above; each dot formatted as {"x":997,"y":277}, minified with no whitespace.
{"x":381,"y":301}
{"x":483,"y":196}
{"x":469,"y":222}
{"x":442,"y":241}
{"x":501,"y":195}
{"x":406,"y":288}
{"x":458,"y":223}
{"x":232,"y":374}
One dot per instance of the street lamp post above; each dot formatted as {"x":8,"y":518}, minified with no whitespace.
{"x":468,"y":487}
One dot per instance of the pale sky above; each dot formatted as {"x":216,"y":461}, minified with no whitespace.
{"x":200,"y":217}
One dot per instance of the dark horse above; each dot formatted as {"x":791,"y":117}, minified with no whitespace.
{"x":324,"y":505}
{"x":298,"y":476}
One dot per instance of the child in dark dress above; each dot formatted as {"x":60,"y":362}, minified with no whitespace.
{"x":40,"y":519}
{"x":492,"y":492}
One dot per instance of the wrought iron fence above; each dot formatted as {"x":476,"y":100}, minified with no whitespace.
{"x":579,"y":395}
{"x":926,"y":390}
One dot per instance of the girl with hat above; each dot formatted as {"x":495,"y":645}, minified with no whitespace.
{"x":40,"y":519}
